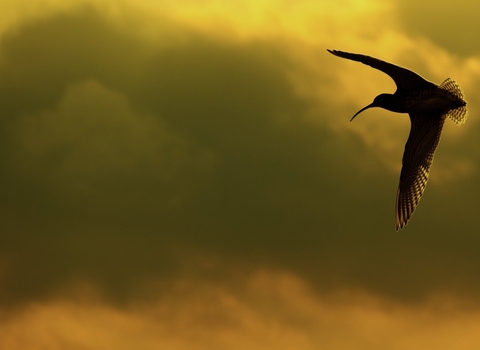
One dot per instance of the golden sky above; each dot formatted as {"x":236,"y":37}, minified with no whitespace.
{"x":183,"y":175}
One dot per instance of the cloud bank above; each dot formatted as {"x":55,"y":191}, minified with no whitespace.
{"x":175,"y":156}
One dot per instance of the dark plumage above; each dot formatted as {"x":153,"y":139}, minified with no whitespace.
{"x":428,"y":105}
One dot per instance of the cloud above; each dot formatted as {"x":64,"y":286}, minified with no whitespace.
{"x":265,"y":309}
{"x":94,"y":145}
{"x":446,"y":27}
{"x":131,"y":138}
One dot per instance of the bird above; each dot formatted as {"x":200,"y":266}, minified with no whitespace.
{"x":428,"y":105}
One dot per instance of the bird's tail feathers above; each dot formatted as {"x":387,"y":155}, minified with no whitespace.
{"x":459,"y":114}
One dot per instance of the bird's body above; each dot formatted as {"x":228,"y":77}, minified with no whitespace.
{"x":428,"y":105}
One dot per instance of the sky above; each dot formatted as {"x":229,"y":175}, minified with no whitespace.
{"x":183,"y":174}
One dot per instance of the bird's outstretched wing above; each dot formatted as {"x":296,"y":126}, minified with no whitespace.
{"x":403,"y":77}
{"x":417,"y":159}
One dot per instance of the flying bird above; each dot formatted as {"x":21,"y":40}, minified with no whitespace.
{"x":428,"y":105}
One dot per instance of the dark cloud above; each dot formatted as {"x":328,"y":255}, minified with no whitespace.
{"x":447,"y":27}
{"x":122,"y":156}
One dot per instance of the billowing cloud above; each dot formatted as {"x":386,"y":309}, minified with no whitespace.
{"x":264,"y":310}
{"x":139,"y":139}
{"x":93,"y":145}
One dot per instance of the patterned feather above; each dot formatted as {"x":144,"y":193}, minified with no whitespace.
{"x":422,"y":142}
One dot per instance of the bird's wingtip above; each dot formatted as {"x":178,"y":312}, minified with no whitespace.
{"x":337,"y":53}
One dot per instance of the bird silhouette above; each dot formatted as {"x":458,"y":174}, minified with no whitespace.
{"x":428,"y":105}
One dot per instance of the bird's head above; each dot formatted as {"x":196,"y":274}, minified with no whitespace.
{"x":382,"y":100}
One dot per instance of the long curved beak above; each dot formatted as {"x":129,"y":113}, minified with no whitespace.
{"x":364,"y":108}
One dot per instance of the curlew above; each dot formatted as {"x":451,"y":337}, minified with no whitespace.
{"x":428,"y":105}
